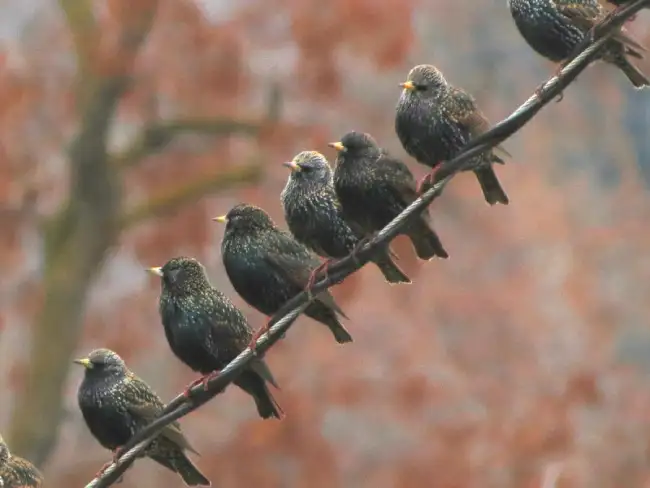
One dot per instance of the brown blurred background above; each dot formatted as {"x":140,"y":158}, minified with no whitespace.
{"x":126,"y":124}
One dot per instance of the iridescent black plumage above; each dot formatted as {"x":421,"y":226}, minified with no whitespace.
{"x":374,"y":187}
{"x":206,"y":331}
{"x":115,"y":404}
{"x":434,"y":120}
{"x":554,"y":28}
{"x":267,"y":267}
{"x":315,"y":216}
{"x":16,"y":472}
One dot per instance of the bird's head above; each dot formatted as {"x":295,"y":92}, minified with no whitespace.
{"x":102,"y":362}
{"x":356,"y":143}
{"x":245,"y":217}
{"x":309,"y":166}
{"x":424,"y":80}
{"x":181,"y":275}
{"x":4,"y":451}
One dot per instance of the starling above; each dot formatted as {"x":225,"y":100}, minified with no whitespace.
{"x":555,"y":28}
{"x":435,"y":120}
{"x":267,"y":267}
{"x":206,"y":331}
{"x":315,"y":216}
{"x":374,"y":187}
{"x":16,"y":472}
{"x":115,"y":404}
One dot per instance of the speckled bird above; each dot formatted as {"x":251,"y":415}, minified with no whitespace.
{"x":116,"y":404}
{"x":267,"y":267}
{"x":315,"y":216}
{"x":16,"y":472}
{"x":206,"y":331}
{"x":554,"y":28}
{"x":374,"y":187}
{"x":435,"y":120}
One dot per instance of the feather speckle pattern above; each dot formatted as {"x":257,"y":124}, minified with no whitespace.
{"x":554,"y":28}
{"x":315,"y":216}
{"x":206,"y":331}
{"x":116,"y":404}
{"x":268,"y":267}
{"x":435,"y":120}
{"x":16,"y":472}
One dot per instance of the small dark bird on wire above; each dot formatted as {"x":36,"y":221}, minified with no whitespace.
{"x":267,"y":267}
{"x":555,"y":28}
{"x":435,"y":120}
{"x":315,"y":217}
{"x":206,"y":331}
{"x":16,"y":472}
{"x":116,"y":404}
{"x":374,"y":187}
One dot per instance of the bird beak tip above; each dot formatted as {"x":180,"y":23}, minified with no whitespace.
{"x":407,"y":85}
{"x":337,"y":145}
{"x":221,"y":219}
{"x":291,"y":165}
{"x":85,"y":362}
{"x":155,"y":270}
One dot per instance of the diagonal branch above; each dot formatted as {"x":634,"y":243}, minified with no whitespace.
{"x":156,"y":136}
{"x":284,"y":318}
{"x":171,"y":201}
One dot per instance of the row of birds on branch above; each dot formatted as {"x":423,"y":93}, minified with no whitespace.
{"x":329,"y":213}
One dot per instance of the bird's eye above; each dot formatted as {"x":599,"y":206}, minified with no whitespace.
{"x":420,"y":86}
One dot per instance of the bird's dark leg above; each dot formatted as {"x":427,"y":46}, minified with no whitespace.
{"x":362,"y":242}
{"x":117,"y":452}
{"x":428,"y":178}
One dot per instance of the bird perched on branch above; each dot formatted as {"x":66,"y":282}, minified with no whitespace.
{"x":267,"y":267}
{"x":116,"y":404}
{"x":374,"y":187}
{"x":16,"y":472}
{"x":435,"y":120}
{"x":315,"y":217}
{"x":555,"y":28}
{"x":206,"y":331}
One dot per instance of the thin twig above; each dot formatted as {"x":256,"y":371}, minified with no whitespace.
{"x":284,"y":318}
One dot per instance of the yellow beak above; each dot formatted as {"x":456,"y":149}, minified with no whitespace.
{"x":408,"y":85}
{"x":337,"y":145}
{"x":85,"y":362}
{"x":156,"y":270}
{"x":292,"y":165}
{"x":221,"y":219}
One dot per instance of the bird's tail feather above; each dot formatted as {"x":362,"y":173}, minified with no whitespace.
{"x":634,"y":74}
{"x":179,"y":463}
{"x":254,"y":385}
{"x":392,"y":273}
{"x":426,"y":242}
{"x":492,"y":190}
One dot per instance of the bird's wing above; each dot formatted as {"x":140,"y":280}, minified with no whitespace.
{"x":466,"y":113}
{"x":295,"y":264}
{"x":143,"y":403}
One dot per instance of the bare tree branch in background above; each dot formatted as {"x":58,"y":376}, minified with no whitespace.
{"x":78,"y":237}
{"x":190,"y":192}
{"x":285,"y":317}
{"x":156,"y":136}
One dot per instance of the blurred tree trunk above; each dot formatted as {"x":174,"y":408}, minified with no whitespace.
{"x":78,"y":238}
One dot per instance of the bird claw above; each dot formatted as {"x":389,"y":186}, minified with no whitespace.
{"x":252,"y":345}
{"x":427,"y":179}
{"x":208,"y":377}
{"x":312,"y":277}
{"x":188,"y":391}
